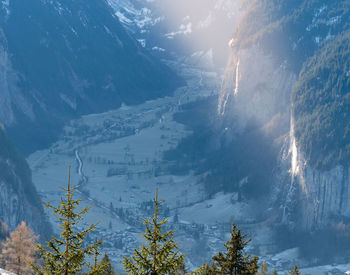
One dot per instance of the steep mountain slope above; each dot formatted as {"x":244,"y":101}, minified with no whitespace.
{"x":289,"y":67}
{"x":321,"y":102}
{"x":66,"y":58}
{"x":282,"y":124}
{"x":18,"y":198}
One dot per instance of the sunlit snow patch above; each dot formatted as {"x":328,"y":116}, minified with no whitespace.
{"x":6,"y":6}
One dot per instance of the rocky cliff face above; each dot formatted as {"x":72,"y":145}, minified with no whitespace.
{"x":255,"y":87}
{"x":315,"y":199}
{"x":18,"y":198}
{"x":291,"y":77}
{"x":10,"y":97}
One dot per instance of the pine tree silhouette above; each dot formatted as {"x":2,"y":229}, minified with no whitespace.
{"x":295,"y":271}
{"x":160,"y":254}
{"x":67,"y":254}
{"x":107,"y":266}
{"x":235,"y":261}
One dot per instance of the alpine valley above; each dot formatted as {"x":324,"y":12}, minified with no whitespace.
{"x":235,"y":110}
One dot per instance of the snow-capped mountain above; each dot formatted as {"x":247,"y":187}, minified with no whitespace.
{"x":183,"y":28}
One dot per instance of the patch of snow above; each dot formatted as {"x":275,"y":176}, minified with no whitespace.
{"x":68,"y":101}
{"x":333,"y":20}
{"x":108,"y":30}
{"x":228,"y":6}
{"x":319,"y":11}
{"x":327,"y":269}
{"x":142,"y":42}
{"x":4,"y":272}
{"x":206,"y":22}
{"x":184,"y":29}
{"x":129,"y":15}
{"x":218,"y":209}
{"x":59,"y":7}
{"x":123,"y":18}
{"x":315,"y":19}
{"x":6,"y":6}
{"x":158,"y":49}
{"x":73,"y":31}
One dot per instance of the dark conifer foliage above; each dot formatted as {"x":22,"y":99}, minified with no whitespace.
{"x":108,"y":268}
{"x":67,"y":254}
{"x":295,"y":271}
{"x":205,"y":269}
{"x":235,"y":261}
{"x":160,"y":254}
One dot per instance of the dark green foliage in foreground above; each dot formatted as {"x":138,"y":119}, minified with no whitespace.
{"x":205,"y":269}
{"x":67,"y":254}
{"x":321,"y":105}
{"x":107,"y":269}
{"x":295,"y":271}
{"x":160,"y":255}
{"x":235,"y":261}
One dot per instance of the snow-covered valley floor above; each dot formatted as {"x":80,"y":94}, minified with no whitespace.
{"x":117,"y":159}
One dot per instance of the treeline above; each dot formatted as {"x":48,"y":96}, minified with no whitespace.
{"x":70,"y":253}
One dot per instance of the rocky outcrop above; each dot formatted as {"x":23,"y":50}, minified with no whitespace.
{"x":10,"y":97}
{"x":271,"y":53}
{"x":315,"y":198}
{"x":256,"y":88}
{"x":15,"y":207}
{"x":18,"y":198}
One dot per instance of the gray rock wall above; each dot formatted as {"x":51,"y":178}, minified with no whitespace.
{"x":256,"y":87}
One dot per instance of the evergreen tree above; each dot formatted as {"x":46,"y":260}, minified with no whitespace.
{"x":295,"y":271}
{"x":67,"y":254}
{"x":263,"y":270}
{"x":160,"y":254}
{"x":235,"y":261}
{"x":107,"y":266}
{"x":205,"y":269}
{"x":98,"y":268}
{"x":18,"y":250}
{"x":274,"y":272}
{"x":181,"y":270}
